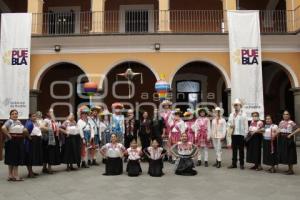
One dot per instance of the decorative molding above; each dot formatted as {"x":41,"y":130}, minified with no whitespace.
{"x":144,"y":43}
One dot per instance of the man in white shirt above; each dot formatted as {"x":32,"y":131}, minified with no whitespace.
{"x":239,"y":123}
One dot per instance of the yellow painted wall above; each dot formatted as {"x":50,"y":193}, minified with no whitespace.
{"x":166,"y":63}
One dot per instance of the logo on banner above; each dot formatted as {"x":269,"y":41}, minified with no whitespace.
{"x":246,"y":56}
{"x":16,"y":57}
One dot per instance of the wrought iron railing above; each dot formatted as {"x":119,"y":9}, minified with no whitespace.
{"x":152,"y":21}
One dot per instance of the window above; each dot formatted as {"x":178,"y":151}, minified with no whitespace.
{"x":136,"y":21}
{"x":63,"y":20}
{"x":136,"y":18}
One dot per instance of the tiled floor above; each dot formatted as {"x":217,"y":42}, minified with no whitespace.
{"x":210,"y":183}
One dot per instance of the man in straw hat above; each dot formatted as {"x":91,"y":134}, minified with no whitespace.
{"x":202,"y":129}
{"x":239,"y":124}
{"x":95,"y":123}
{"x":218,"y":132}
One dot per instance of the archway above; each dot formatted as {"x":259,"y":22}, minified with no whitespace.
{"x":277,"y":90}
{"x":143,"y":96}
{"x":58,"y":88}
{"x":200,"y":82}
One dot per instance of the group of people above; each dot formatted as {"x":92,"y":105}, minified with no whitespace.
{"x":170,"y":135}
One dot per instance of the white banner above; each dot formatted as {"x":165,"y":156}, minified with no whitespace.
{"x":15,"y":64}
{"x":245,"y":60}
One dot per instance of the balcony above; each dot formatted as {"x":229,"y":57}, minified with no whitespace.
{"x":156,"y":22}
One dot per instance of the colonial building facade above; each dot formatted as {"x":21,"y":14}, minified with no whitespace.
{"x":186,"y":41}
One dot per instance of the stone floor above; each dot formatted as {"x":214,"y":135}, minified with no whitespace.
{"x":210,"y":183}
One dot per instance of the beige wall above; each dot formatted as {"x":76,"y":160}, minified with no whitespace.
{"x":160,"y":63}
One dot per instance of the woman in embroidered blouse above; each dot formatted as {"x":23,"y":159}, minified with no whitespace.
{"x":33,"y":145}
{"x":134,"y":154}
{"x":14,"y":145}
{"x":184,"y":151}
{"x":72,"y":145}
{"x":270,"y":144}
{"x":287,"y":152}
{"x":155,"y":154}
{"x":51,"y":146}
{"x":254,"y":143}
{"x":113,"y":152}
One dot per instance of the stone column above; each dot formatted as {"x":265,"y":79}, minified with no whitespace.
{"x":227,"y":5}
{"x":98,"y":11}
{"x":33,"y":99}
{"x":229,"y":107}
{"x":36,"y":8}
{"x":164,"y":16}
{"x":292,"y":15}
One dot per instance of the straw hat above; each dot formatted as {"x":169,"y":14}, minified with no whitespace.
{"x":117,"y":105}
{"x":166,"y":102}
{"x":221,"y":110}
{"x":84,"y":109}
{"x":105,"y":112}
{"x":97,"y":108}
{"x":177,"y":111}
{"x":205,"y":109}
{"x":188,"y":113}
{"x":237,"y":102}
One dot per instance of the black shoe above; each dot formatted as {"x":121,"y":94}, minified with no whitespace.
{"x":68,"y":168}
{"x":219,"y":164}
{"x":84,"y":165}
{"x":89,"y":162}
{"x":45,"y":170}
{"x":170,"y":159}
{"x":166,"y":158}
{"x":73,"y":169}
{"x":259,"y":168}
{"x":232,"y":167}
{"x":290,"y":172}
{"x":199,"y":163}
{"x":253,"y":167}
{"x":95,"y":163}
{"x":242,"y":167}
{"x":35,"y":174}
{"x":206,"y":164}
